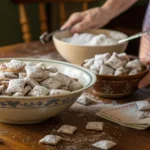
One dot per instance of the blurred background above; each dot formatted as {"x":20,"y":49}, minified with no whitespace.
{"x":23,"y":15}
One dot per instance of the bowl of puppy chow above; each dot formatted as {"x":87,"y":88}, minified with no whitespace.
{"x":75,"y":48}
{"x":33,"y":90}
{"x":118,"y":75}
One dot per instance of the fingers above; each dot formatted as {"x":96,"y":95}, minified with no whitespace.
{"x":145,"y":60}
{"x":145,"y":81}
{"x":73,"y":19}
{"x":82,"y":26}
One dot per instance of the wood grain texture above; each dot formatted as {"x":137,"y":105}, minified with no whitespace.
{"x":42,"y":18}
{"x":53,"y":1}
{"x":26,"y":137}
{"x":24,"y":21}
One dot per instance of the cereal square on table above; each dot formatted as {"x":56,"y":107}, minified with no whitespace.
{"x":95,"y":126}
{"x":50,"y":139}
{"x":67,"y":129}
{"x":143,"y":105}
{"x":84,"y":99}
{"x":104,"y":144}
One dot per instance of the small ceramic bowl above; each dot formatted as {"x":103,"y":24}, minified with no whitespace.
{"x":117,"y":86}
{"x":78,"y":53}
{"x":27,"y":110}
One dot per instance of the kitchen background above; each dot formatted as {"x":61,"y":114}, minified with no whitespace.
{"x":129,"y":22}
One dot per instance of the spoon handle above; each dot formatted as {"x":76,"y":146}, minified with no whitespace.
{"x":44,"y":38}
{"x":134,"y":36}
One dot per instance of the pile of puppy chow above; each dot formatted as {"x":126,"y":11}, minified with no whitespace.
{"x":18,"y":78}
{"x":115,"y":64}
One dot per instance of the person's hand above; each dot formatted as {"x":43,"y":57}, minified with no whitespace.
{"x":92,"y":18}
{"x":145,"y":81}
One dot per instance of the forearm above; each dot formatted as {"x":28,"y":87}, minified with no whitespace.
{"x":116,"y":7}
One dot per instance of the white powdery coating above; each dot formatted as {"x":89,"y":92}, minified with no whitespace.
{"x":143,"y":105}
{"x":30,"y":81}
{"x":98,"y":126}
{"x":102,"y":57}
{"x":39,"y":91}
{"x":16,"y":85}
{"x":50,"y":139}
{"x":88,"y":63}
{"x":134,"y":64}
{"x":75,"y":85}
{"x":7,"y":76}
{"x":56,"y":92}
{"x":121,"y":71}
{"x":84,"y":99}
{"x":114,"y":62}
{"x":67,"y":129}
{"x":135,"y":71}
{"x":15,"y":65}
{"x":123,"y":56}
{"x":34,"y":71}
{"x":105,"y":70}
{"x":63,"y":79}
{"x":104,"y":144}
{"x":90,"y":39}
{"x":51,"y":69}
{"x":51,"y":83}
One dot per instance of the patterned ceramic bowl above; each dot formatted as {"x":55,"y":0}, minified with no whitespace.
{"x":26,"y":110}
{"x":117,"y":86}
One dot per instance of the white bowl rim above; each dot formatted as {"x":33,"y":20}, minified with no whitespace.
{"x":90,"y":73}
{"x":86,"y":46}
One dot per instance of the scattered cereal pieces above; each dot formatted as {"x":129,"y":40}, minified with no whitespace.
{"x":104,"y":144}
{"x":50,"y":139}
{"x":67,"y":129}
{"x":95,"y":126}
{"x":143,"y":105}
{"x":84,"y":99}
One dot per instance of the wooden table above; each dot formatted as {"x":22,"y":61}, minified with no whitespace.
{"x":26,"y":137}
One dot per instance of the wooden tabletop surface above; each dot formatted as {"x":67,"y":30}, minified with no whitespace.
{"x":26,"y":137}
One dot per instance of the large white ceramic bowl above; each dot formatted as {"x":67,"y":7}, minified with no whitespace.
{"x":78,"y":53}
{"x":26,"y":110}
